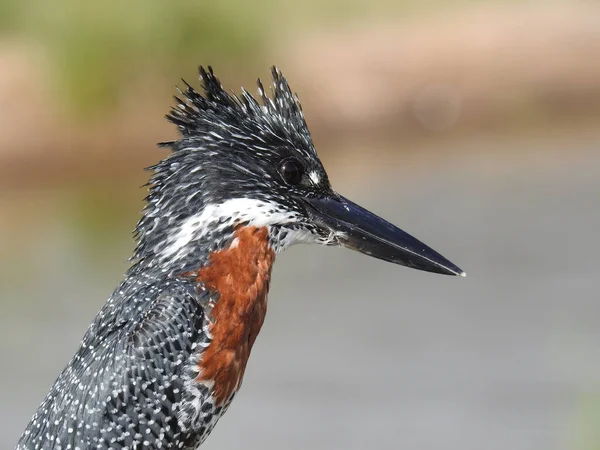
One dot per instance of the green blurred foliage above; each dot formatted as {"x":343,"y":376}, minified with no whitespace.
{"x":98,"y":48}
{"x":8,"y":15}
{"x":586,"y":429}
{"x":94,"y":46}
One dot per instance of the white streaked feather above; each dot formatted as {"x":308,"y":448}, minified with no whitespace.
{"x":258,"y":213}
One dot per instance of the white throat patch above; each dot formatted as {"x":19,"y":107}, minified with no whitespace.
{"x":254,"y":212}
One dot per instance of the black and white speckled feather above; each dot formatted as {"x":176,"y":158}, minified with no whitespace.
{"x":122,"y":386}
{"x":131,"y":385}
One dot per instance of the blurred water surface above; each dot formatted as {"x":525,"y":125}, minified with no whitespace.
{"x":357,"y":353}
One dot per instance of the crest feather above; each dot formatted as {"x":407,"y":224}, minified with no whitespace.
{"x":194,"y":112}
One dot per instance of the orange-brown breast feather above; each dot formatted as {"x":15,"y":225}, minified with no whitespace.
{"x":240,"y":275}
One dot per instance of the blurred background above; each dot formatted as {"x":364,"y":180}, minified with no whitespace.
{"x":474,"y":125}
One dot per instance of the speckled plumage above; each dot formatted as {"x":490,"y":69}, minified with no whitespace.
{"x":123,"y":383}
{"x":134,"y":383}
{"x":167,"y":353}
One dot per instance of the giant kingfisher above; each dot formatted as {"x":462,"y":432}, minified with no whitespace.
{"x":164,"y":357}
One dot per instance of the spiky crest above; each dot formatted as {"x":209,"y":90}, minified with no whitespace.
{"x":229,"y":144}
{"x":196,"y":113}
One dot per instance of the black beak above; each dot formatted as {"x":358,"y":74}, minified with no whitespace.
{"x":361,"y":230}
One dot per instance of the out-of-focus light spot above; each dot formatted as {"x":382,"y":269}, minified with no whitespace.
{"x":437,"y":107}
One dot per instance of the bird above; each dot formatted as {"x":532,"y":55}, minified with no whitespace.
{"x":166,"y":354}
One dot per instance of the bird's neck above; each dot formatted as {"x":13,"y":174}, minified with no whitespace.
{"x":240,"y":275}
{"x":234,"y":263}
{"x":175,"y":241}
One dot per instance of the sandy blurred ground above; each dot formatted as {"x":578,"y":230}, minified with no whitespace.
{"x":493,"y":68}
{"x":477,"y":131}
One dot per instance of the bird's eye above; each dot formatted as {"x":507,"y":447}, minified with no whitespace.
{"x":291,"y":171}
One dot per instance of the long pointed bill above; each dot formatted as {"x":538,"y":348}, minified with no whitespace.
{"x":362,"y":230}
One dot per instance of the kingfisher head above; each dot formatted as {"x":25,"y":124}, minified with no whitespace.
{"x":250,"y":161}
